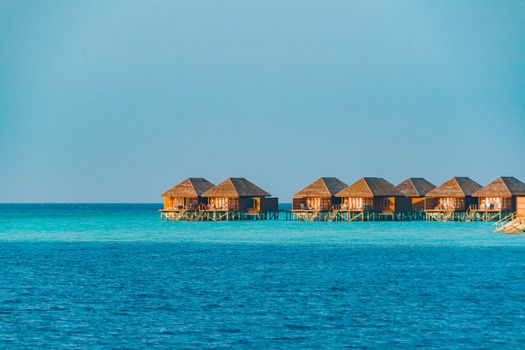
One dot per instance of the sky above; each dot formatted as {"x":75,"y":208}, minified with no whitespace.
{"x":116,"y":101}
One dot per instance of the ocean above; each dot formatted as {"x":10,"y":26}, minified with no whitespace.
{"x":114,"y":276}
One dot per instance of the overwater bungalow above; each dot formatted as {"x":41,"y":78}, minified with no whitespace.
{"x":451,"y":200}
{"x":415,"y":189}
{"x":187,"y":195}
{"x":372,"y":195}
{"x":238,"y":199}
{"x":318,"y":196}
{"x":182,"y":201}
{"x":499,"y":197}
{"x":505,"y":188}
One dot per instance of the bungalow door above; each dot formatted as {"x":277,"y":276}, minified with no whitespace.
{"x":256,"y":203}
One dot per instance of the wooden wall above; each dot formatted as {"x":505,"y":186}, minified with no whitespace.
{"x":269,"y":204}
{"x":520,"y":206}
{"x":246,"y":203}
{"x":260,"y":203}
{"x":431,"y":203}
{"x":402,"y":204}
{"x":296,"y":203}
{"x":168,"y":202}
{"x":470,"y":201}
{"x":237,"y":203}
{"x":384,"y":204}
{"x":418,"y":203}
{"x":392,"y":204}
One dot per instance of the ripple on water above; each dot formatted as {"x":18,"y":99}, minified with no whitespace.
{"x":122,"y":279}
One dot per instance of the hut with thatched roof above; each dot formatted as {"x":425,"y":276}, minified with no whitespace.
{"x":319,"y":196}
{"x":372,"y":194}
{"x":236,"y":194}
{"x":187,"y":195}
{"x":415,"y":189}
{"x":455,"y":195}
{"x":500,"y":195}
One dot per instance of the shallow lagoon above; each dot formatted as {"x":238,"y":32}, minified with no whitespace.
{"x":115,"y":276}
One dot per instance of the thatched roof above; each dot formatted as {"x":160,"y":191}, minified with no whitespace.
{"x":323,"y":187}
{"x":455,"y":187}
{"x":235,"y":187}
{"x":502,"y":187}
{"x":192,"y":187}
{"x":415,"y":187}
{"x":369,"y":187}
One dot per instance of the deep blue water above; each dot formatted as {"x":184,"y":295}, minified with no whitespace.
{"x":113,"y":276}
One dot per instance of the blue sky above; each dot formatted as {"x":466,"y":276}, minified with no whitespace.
{"x":114,"y":101}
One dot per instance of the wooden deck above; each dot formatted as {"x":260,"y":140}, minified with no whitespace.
{"x":333,"y":215}
{"x":353,"y":215}
{"x":470,"y":214}
{"x":215,"y":215}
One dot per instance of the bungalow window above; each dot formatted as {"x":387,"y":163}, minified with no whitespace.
{"x":219,"y":203}
{"x":354,"y":203}
{"x":491,"y":203}
{"x":495,"y":203}
{"x":451,"y":203}
{"x":316,"y":203}
{"x":178,"y":203}
{"x":358,"y":203}
{"x":191,"y":203}
{"x":313,"y":203}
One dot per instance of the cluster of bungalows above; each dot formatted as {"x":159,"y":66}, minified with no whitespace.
{"x":197,"y":199}
{"x":461,"y":198}
{"x":330,"y":199}
{"x":367,"y":199}
{"x":373,"y":198}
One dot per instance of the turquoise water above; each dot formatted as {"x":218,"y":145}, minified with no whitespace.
{"x":114,"y":276}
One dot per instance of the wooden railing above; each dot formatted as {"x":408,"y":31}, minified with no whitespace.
{"x":505,"y":220}
{"x":516,"y":225}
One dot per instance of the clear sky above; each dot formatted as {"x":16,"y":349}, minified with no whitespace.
{"x":114,"y":101}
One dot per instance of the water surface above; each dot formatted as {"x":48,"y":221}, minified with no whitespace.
{"x":115,"y":276}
